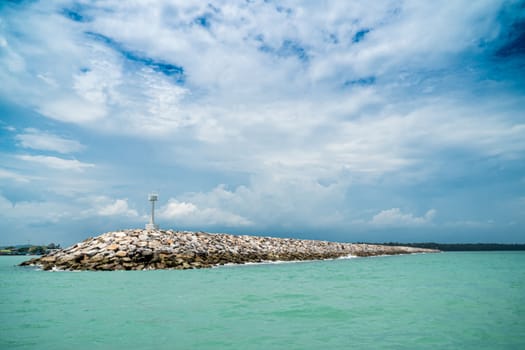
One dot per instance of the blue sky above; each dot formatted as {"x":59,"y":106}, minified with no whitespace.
{"x":350,"y":121}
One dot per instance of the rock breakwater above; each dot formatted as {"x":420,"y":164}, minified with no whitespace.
{"x":138,"y":249}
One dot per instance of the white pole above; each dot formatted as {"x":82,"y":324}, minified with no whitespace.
{"x":152,"y":220}
{"x":152,"y":198}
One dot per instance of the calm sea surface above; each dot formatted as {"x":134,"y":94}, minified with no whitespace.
{"x":433,"y":301}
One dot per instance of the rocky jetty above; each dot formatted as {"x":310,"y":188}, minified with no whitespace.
{"x":158,"y":249}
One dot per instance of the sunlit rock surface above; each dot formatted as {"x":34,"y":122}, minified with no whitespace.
{"x":139,"y":249}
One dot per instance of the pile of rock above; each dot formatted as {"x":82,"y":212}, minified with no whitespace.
{"x":158,"y":249}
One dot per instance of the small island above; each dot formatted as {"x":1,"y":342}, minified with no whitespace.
{"x":146,"y":249}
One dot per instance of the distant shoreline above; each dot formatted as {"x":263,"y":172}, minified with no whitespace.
{"x":28,"y":249}
{"x":461,"y":247}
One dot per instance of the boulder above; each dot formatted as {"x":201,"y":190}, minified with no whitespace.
{"x":144,"y":250}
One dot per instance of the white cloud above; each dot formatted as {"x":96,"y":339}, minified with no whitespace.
{"x":96,"y":86}
{"x":35,"y":211}
{"x":57,"y":163}
{"x":39,"y":140}
{"x":54,"y":210}
{"x":276,"y":111}
{"x":118,"y":207}
{"x":286,"y":203}
{"x":10,"y":175}
{"x":48,"y":80}
{"x":175,"y":209}
{"x":72,"y":109}
{"x":100,"y":205}
{"x":295,"y":138}
{"x":395,"y":217}
{"x":189,"y":213}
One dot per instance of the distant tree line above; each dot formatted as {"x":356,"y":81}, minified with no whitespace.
{"x":461,"y":247}
{"x":28,"y":249}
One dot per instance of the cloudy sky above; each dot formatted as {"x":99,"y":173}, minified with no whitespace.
{"x":339,"y":120}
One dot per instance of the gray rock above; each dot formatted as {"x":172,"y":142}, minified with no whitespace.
{"x":141,"y":249}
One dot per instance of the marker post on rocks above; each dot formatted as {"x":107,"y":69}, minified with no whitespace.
{"x":152,"y":197}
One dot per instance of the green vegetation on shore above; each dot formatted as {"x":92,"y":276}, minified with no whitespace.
{"x":460,"y":247}
{"x":28,"y":249}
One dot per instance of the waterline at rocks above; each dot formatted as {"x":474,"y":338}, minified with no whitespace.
{"x":138,"y":249}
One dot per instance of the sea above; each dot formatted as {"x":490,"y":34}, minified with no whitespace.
{"x":452,"y":300}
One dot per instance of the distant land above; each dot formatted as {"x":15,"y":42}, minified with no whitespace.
{"x":461,"y":247}
{"x":28,"y":249}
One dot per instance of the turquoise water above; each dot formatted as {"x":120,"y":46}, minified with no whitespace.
{"x":432,"y":301}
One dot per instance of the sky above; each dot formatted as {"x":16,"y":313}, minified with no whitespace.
{"x":382,"y":121}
